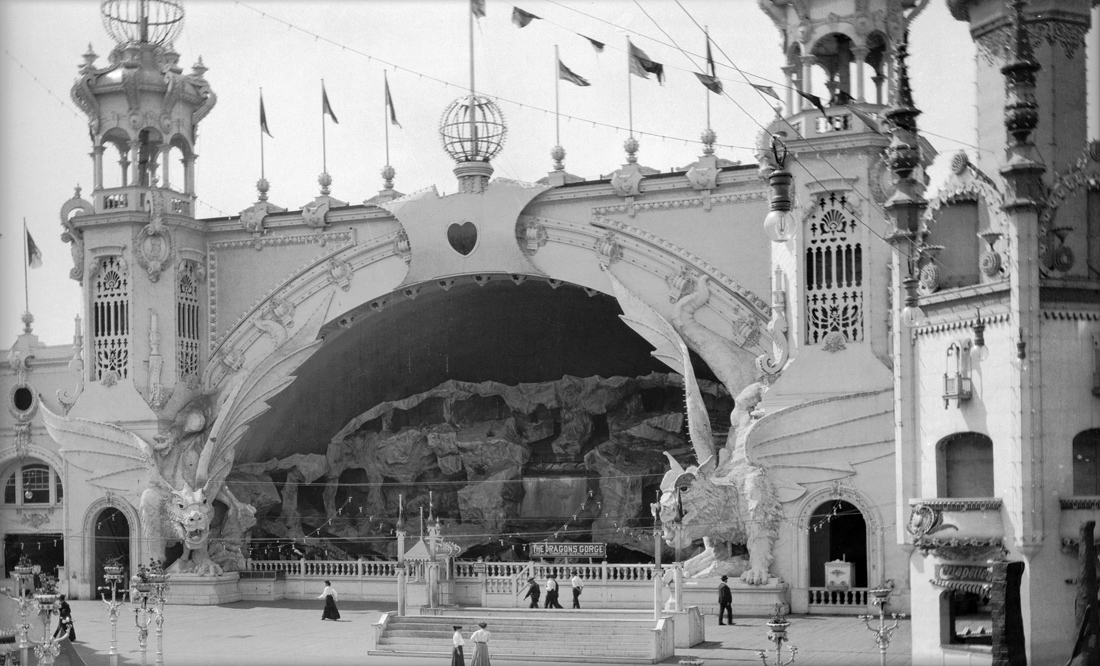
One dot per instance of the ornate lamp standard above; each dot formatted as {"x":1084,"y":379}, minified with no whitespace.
{"x":777,"y":633}
{"x":655,"y":509}
{"x":113,"y":575}
{"x":23,"y":574}
{"x":883,"y":632}
{"x":149,"y":584}
{"x":48,"y":648}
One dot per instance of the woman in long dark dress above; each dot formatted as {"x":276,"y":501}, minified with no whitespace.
{"x":329,"y":595}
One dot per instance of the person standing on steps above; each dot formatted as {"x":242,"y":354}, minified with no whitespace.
{"x":578,"y":585}
{"x":725,"y":601}
{"x":329,"y":595}
{"x":551,"y":593}
{"x":533,"y":592}
{"x":481,"y":645}
{"x":457,"y":658}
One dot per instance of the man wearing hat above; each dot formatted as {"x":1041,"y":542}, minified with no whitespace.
{"x":725,"y":601}
{"x":533,"y":592}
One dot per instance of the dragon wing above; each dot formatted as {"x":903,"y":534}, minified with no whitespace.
{"x":671,"y":350}
{"x":245,"y":398}
{"x":113,"y":458}
{"x":823,"y":440}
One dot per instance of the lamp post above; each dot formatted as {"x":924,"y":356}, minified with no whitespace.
{"x":113,"y":576}
{"x":149,"y":585}
{"x":658,"y":576}
{"x":777,"y":633}
{"x":883,"y":632}
{"x":48,"y":648}
{"x":23,"y":574}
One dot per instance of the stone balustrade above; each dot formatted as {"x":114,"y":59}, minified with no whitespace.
{"x":851,"y":600}
{"x":115,"y":199}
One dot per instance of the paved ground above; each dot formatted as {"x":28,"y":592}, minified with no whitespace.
{"x":292,"y":633}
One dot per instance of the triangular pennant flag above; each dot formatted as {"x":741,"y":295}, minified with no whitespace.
{"x":522,"y":18}
{"x":325,"y":106}
{"x":568,"y":75}
{"x":263,"y":118}
{"x":872,"y":122}
{"x":813,"y":99}
{"x":478,"y":8}
{"x":641,"y":65}
{"x":712,"y":83}
{"x":767,"y":90}
{"x":596,"y":45}
{"x":389,"y":103}
{"x":34,"y":255}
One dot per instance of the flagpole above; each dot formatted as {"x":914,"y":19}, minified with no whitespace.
{"x":262,"y":137}
{"x":706,"y":92}
{"x":629,"y":91}
{"x":473,"y":123}
{"x":385,"y":118}
{"x":557,"y":112}
{"x":26,"y":260}
{"x":324,"y":149}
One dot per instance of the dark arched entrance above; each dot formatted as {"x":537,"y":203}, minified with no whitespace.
{"x":838,"y":532}
{"x":112,"y":539}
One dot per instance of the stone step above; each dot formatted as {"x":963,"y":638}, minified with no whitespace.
{"x":544,"y":646}
{"x":497,"y":654}
{"x":627,"y":642}
{"x":505,"y":625}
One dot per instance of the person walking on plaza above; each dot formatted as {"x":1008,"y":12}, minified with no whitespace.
{"x":578,"y":585}
{"x":457,"y":658}
{"x":329,"y":595}
{"x":481,"y":645}
{"x":65,"y":620}
{"x":551,"y":593}
{"x":533,"y":592}
{"x":725,"y":601}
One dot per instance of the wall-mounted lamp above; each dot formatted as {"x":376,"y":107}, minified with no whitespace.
{"x":911,"y":314}
{"x":978,"y":351}
{"x":779,"y":225}
{"x":1021,"y":346}
{"x":957,"y":385}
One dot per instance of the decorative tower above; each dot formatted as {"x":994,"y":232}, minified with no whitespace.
{"x":136,"y":246}
{"x":831,"y":266}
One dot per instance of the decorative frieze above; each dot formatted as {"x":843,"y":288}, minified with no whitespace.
{"x":631,"y":208}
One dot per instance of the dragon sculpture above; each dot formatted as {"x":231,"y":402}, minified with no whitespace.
{"x":726,"y":500}
{"x":185,"y":499}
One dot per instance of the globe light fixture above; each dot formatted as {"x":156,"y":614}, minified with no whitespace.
{"x":978,"y":351}
{"x":911,"y":314}
{"x":780,"y":223}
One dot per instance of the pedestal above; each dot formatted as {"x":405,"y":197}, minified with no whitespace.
{"x":688,"y":626}
{"x":191,"y":590}
{"x":759,"y":600}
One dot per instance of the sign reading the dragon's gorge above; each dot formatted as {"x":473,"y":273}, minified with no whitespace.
{"x":597,"y":550}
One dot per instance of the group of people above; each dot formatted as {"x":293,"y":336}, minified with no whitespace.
{"x":534,"y":592}
{"x":479,"y":638}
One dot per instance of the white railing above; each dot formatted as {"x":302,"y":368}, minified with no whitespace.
{"x":853,"y":596}
{"x":462,"y":570}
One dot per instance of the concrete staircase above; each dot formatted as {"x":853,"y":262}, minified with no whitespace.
{"x":606,"y":636}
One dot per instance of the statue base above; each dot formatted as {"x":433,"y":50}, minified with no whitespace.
{"x":193,"y":590}
{"x":688,"y":630}
{"x":755,"y":600}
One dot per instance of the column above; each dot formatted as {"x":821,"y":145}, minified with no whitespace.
{"x":860,"y":52}
{"x":165,"y":158}
{"x":844,"y":71}
{"x":135,"y":161}
{"x":808,"y":62}
{"x":890,"y":79}
{"x":877,"y":80}
{"x":97,"y":167}
{"x":789,"y":72}
{"x":189,"y":174}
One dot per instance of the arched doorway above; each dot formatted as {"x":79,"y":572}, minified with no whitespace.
{"x":112,"y":539}
{"x":838,"y":531}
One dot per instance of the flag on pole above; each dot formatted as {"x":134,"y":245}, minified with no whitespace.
{"x":873,"y":123}
{"x":522,"y":18}
{"x":478,"y":8}
{"x":567,"y":74}
{"x":641,"y":65}
{"x":813,"y":99}
{"x":598,"y":46}
{"x":711,"y":80}
{"x":767,"y":90}
{"x":34,"y":255}
{"x":325,"y":106}
{"x":389,"y":105}
{"x":263,"y":118}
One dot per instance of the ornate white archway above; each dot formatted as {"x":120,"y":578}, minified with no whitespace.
{"x":88,"y":564}
{"x":876,"y":555}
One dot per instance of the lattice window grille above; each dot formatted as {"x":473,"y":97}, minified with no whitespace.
{"x":111,"y":320}
{"x":834,"y":271}
{"x":187,"y":322}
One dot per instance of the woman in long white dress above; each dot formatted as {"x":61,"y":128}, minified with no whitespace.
{"x":480,"y":639}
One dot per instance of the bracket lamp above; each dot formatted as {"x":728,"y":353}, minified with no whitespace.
{"x":780,"y":223}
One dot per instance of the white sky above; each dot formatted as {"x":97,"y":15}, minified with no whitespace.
{"x":44,"y":138}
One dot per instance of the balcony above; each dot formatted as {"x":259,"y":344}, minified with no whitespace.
{"x":119,"y":199}
{"x":960,"y":529}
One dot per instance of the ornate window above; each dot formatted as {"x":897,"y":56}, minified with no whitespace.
{"x":187,"y":323}
{"x":32,"y":483}
{"x":834,"y":272}
{"x":111,"y":320}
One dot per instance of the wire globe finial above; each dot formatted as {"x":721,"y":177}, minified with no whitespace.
{"x":142,"y":21}
{"x":473,"y":140}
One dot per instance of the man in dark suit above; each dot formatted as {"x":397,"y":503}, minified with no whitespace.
{"x":533,"y":592}
{"x":725,"y":601}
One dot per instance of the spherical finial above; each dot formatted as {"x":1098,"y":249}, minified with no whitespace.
{"x":142,"y":21}
{"x":262,"y":186}
{"x":557,"y":153}
{"x":708,"y":137}
{"x":324,"y":180}
{"x":28,"y":319}
{"x":631,"y":147}
{"x":472,"y":133}
{"x":388,"y":172}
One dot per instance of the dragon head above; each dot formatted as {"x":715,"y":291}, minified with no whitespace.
{"x":690,"y":499}
{"x":191,"y":513}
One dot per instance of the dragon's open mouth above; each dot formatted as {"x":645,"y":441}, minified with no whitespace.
{"x":195,"y":537}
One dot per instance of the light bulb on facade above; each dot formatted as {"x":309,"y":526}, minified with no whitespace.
{"x":911,"y":314}
{"x":779,"y":225}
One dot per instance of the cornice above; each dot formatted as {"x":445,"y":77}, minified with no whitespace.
{"x":1087,"y":503}
{"x":960,"y":503}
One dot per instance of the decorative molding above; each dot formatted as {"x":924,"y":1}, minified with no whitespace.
{"x":673,"y":204}
{"x":976,"y":549}
{"x":74,"y":208}
{"x":402,"y":247}
{"x":1070,"y":315}
{"x":833,"y":342}
{"x":963,"y":585}
{"x":530,"y":234}
{"x":681,"y":283}
{"x":32,"y":518}
{"x":771,"y":363}
{"x":157,"y":395}
{"x":960,"y":504}
{"x":995,"y":42}
{"x":964,"y":323}
{"x":340,"y":272}
{"x":76,"y":369}
{"x":608,"y":249}
{"x":1086,"y":503}
{"x":153,"y":243}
